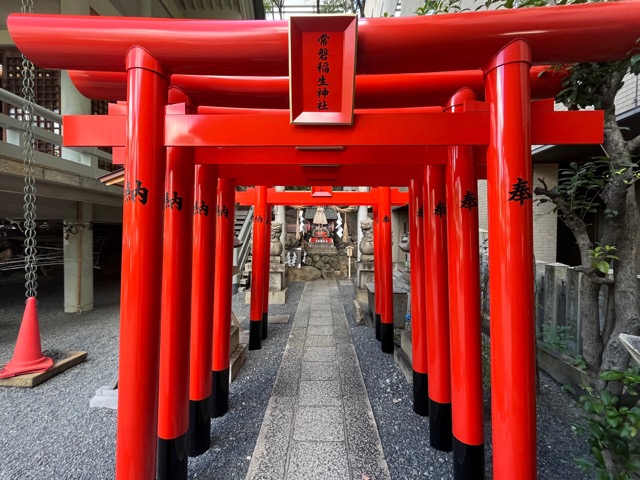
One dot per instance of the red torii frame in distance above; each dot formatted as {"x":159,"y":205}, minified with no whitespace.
{"x":305,"y":198}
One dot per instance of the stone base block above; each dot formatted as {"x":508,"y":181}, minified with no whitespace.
{"x":362,"y":296}
{"x":278,"y":318}
{"x":276,"y":297}
{"x":357,"y":313}
{"x":399,"y":305}
{"x":404,"y":364}
{"x":364,"y":274}
{"x":238,"y":357}
{"x":105,"y":398}
{"x":406,"y":344}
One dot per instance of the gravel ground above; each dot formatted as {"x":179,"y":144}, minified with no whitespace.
{"x":405,"y":435}
{"x":51,"y":433}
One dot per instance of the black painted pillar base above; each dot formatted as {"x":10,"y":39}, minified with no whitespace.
{"x":219,"y":393}
{"x":386,"y":337}
{"x":440,"y":436}
{"x":421,"y":393}
{"x":468,"y":461}
{"x":172,"y":458}
{"x":255,"y":334}
{"x":377,"y":321}
{"x":265,"y":325}
{"x":199,"y":434}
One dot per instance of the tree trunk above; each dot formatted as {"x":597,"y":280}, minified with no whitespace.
{"x":591,"y":340}
{"x":615,"y":356}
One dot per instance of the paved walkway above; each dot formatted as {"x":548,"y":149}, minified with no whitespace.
{"x":319,"y":424}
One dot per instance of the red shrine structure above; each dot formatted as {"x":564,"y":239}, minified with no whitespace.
{"x":432,"y":103}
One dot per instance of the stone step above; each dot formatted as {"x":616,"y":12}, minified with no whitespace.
{"x":404,"y":364}
{"x":406,"y":344}
{"x":238,"y":357}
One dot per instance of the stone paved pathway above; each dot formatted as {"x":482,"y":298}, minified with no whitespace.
{"x":319,"y":424}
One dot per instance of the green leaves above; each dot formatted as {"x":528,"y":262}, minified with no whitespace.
{"x":602,"y":256}
{"x":612,"y":430}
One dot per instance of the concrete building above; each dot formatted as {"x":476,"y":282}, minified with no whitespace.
{"x":72,"y":203}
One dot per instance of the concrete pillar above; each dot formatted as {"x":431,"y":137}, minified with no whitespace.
{"x":362,"y":215}
{"x":78,"y":260}
{"x":281,"y":217}
{"x":71,"y":101}
{"x":74,"y":103}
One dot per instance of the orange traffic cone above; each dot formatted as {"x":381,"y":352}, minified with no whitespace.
{"x":27,"y":357}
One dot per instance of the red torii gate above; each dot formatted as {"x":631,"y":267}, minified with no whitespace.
{"x":384,"y":275}
{"x":505,"y":44}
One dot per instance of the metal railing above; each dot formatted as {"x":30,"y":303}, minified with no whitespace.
{"x":81,"y":161}
{"x":241,"y":254}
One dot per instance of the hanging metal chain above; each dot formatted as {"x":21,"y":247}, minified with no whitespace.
{"x":28,"y":76}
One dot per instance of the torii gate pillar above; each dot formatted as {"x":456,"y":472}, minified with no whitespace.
{"x":464,"y":307}
{"x":509,"y":175}
{"x":418,"y":302}
{"x":385,"y":291}
{"x":204,"y":235}
{"x":435,"y":221}
{"x":258,"y":265}
{"x":141,"y":267}
{"x":173,"y":402}
{"x":225,"y":213}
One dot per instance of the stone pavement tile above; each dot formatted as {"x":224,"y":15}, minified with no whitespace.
{"x":351,"y":378}
{"x":346,"y":283}
{"x":320,"y":341}
{"x":321,"y":320}
{"x":298,"y":333}
{"x":347,"y":352}
{"x":321,"y":393}
{"x":320,"y":330}
{"x":300,"y":323}
{"x":288,"y":377}
{"x":342,"y":335}
{"x":375,"y":470}
{"x":319,"y":354}
{"x":362,"y":431}
{"x":269,"y":458}
{"x":319,"y":424}
{"x":320,"y":370}
{"x":318,"y":460}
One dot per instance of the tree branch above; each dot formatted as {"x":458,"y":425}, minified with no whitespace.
{"x":594,"y":278}
{"x":633,"y":144}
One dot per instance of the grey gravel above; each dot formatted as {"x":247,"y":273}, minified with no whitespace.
{"x":405,"y":435}
{"x":50,"y":432}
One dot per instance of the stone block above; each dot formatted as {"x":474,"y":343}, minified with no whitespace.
{"x":275,"y":297}
{"x":277,"y":276}
{"x":404,"y":364}
{"x":361,"y":295}
{"x":406,"y":344}
{"x":238,"y":357}
{"x":278,"y":319}
{"x":105,"y":398}
{"x":357,"y":313}
{"x":364,"y":274}
{"x":555,"y":294}
{"x":399,"y":304}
